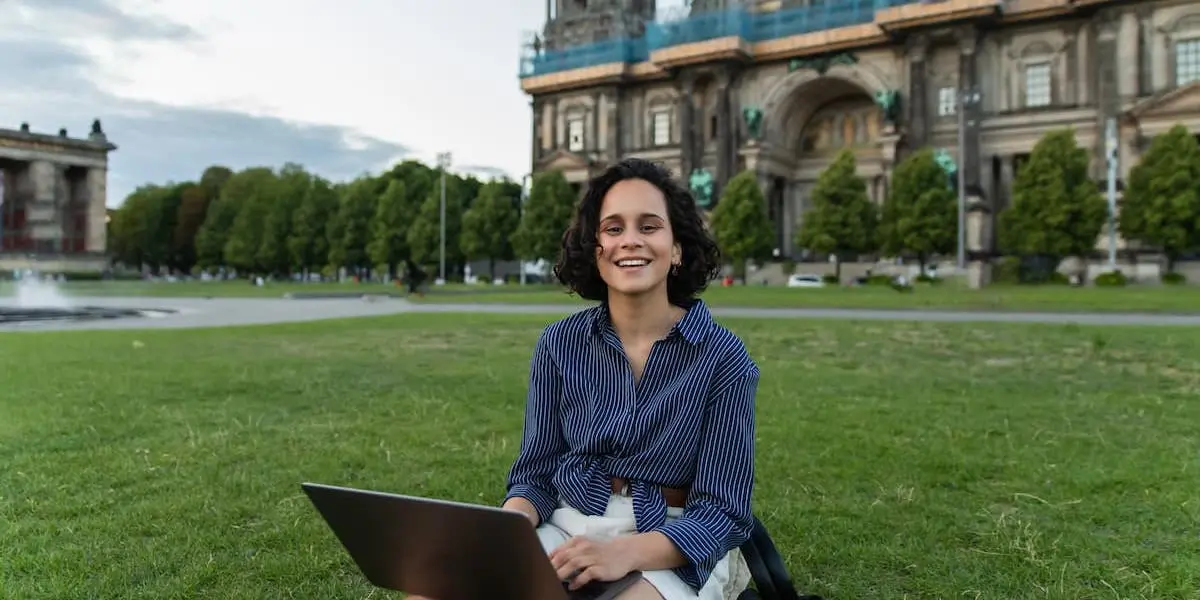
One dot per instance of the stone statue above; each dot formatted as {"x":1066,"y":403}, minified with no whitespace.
{"x":889,"y":105}
{"x":96,"y":129}
{"x":753,"y":117}
{"x":947,"y":164}
{"x":701,"y":184}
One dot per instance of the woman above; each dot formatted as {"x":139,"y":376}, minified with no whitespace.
{"x":638,"y":450}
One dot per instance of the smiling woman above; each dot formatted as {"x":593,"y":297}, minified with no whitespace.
{"x":621,"y":467}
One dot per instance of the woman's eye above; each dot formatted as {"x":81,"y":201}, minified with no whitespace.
{"x":613,"y":230}
{"x":650,"y":228}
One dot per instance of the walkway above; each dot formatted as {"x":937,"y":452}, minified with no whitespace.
{"x":217,"y":312}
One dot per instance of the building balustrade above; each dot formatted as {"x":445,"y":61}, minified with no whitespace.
{"x":741,"y":22}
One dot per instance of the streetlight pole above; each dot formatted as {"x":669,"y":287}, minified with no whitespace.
{"x":966,"y":96}
{"x":443,"y":161}
{"x":1111,"y":145}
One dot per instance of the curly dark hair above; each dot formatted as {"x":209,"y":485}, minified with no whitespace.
{"x":701,"y":262}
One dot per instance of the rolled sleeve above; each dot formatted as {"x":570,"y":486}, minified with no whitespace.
{"x":542,"y":443}
{"x":718,"y":516}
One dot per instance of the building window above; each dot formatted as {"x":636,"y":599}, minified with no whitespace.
{"x":947,"y":102}
{"x":1037,"y":85}
{"x":660,"y":128}
{"x":1187,"y":61}
{"x":575,"y":135}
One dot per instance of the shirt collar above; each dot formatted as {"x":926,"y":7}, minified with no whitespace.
{"x":693,"y":327}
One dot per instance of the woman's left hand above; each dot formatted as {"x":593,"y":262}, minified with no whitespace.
{"x":581,"y":560}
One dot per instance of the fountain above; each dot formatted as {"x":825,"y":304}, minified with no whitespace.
{"x":39,"y":298}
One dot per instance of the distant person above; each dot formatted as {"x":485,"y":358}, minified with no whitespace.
{"x":414,"y":277}
{"x":638,"y":448}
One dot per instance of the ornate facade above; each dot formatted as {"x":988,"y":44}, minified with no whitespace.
{"x":780,"y":86}
{"x":52,"y":200}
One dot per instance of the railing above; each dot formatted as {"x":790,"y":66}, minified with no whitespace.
{"x":619,"y":50}
{"x":698,"y":28}
{"x":739,"y":22}
{"x":808,"y":19}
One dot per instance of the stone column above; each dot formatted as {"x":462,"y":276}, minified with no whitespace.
{"x":1006,"y":182}
{"x":535,"y":106}
{"x":97,"y":199}
{"x":686,"y":84}
{"x":725,"y":122}
{"x":971,"y":104}
{"x":1108,"y":82}
{"x":1128,"y":43}
{"x":918,"y":94}
{"x":42,"y":216}
{"x":613,"y":119}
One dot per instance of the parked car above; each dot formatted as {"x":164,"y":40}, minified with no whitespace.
{"x":805,"y":280}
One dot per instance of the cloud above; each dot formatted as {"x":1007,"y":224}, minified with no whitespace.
{"x":49,"y":77}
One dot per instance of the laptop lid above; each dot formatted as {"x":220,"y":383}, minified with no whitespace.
{"x":438,"y":548}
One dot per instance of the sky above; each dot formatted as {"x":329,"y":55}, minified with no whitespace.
{"x":343,"y":87}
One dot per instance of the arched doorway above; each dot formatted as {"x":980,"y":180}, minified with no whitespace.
{"x":822,"y":118}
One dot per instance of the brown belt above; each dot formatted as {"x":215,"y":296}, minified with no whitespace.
{"x":675,"y":497}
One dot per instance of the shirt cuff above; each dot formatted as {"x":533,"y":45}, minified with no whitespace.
{"x":697,"y":545}
{"x":543,"y":501}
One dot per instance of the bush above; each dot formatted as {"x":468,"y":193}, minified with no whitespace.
{"x":879,"y":280}
{"x":1111,"y":279}
{"x":931,"y":280}
{"x":1174,"y":278}
{"x":1007,"y":270}
{"x":788,"y":266}
{"x":830,"y":279}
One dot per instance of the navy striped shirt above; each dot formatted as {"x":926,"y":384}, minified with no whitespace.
{"x":688,"y":423}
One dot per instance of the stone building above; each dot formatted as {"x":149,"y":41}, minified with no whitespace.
{"x":52,"y":189}
{"x":780,"y":86}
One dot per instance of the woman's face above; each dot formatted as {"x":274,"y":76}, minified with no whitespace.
{"x":636,"y":248}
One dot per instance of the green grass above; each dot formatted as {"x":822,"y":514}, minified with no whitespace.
{"x":949,"y":296}
{"x":894,"y":460}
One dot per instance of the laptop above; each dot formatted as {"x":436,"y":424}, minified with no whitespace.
{"x":446,"y":550}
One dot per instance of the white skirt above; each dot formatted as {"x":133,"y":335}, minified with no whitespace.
{"x":566,"y":522}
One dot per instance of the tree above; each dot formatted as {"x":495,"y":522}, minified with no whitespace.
{"x":425,"y":232}
{"x":308,"y":243}
{"x":273,"y":255}
{"x":546,"y":215}
{"x":489,"y":223}
{"x":1057,"y":210}
{"x":236,"y":192}
{"x":351,"y":231}
{"x":1161,"y":205}
{"x":388,"y":244}
{"x":740,"y":222}
{"x":843,"y":219}
{"x":193,"y":208}
{"x":142,"y":227}
{"x":920,"y":217}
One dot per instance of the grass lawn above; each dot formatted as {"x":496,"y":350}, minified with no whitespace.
{"x":950,"y":296}
{"x":894,"y":460}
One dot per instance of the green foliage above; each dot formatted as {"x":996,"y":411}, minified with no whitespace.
{"x":740,"y":222}
{"x":843,"y":220}
{"x":490,"y":222}
{"x":920,"y":217}
{"x":424,"y":234}
{"x":352,"y":225}
{"x":308,"y":241}
{"x":546,"y":214}
{"x":389,"y":244}
{"x":1111,"y":279}
{"x":1161,"y":204}
{"x":1057,"y":210}
{"x":1173,"y":278}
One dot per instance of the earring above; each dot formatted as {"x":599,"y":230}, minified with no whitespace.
{"x":675,"y":269}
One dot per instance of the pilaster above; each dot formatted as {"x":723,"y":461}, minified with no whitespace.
{"x":97,"y":199}
{"x":725,"y":130}
{"x":970,"y":103}
{"x":535,"y":106}
{"x":918,"y":92}
{"x":686,"y":85}
{"x":1128,"y":45}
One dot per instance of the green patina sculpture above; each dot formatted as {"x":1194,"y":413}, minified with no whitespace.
{"x":753,"y":117}
{"x":821,"y":64}
{"x":701,"y":184}
{"x":889,"y":105}
{"x":947,"y":164}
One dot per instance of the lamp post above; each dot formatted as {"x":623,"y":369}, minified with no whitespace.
{"x":443,"y":162}
{"x":1111,"y":146}
{"x":966,"y":97}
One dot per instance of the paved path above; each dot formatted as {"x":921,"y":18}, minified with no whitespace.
{"x":216,"y":312}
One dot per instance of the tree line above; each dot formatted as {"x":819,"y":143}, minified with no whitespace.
{"x":289,"y":221}
{"x":1056,"y":211}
